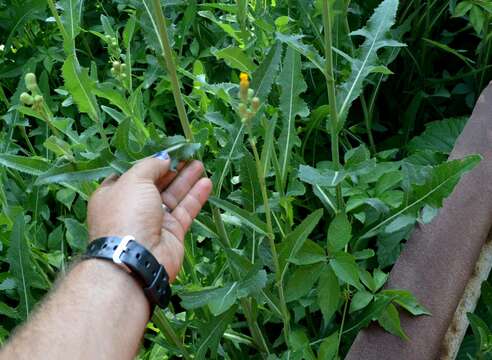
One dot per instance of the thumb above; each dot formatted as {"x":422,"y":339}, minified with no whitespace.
{"x":152,"y":168}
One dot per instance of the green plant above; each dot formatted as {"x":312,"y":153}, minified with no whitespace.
{"x":290,"y":259}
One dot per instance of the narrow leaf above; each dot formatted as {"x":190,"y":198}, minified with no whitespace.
{"x":264,"y":76}
{"x":80,"y":86}
{"x":29,"y":165}
{"x":246,"y":218}
{"x":292,"y":85}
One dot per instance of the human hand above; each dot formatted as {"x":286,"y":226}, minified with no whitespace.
{"x":132,"y":205}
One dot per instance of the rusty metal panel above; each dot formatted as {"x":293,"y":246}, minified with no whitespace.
{"x":440,"y":257}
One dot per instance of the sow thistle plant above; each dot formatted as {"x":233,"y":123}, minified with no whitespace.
{"x":290,"y":259}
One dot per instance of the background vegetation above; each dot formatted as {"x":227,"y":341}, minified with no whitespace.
{"x":321,"y":169}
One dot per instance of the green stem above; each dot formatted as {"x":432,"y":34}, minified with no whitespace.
{"x":163,"y":324}
{"x":271,"y":240}
{"x":254,"y":328}
{"x":330,"y":84}
{"x":59,"y":23}
{"x":341,"y":327}
{"x":167,"y":53}
{"x":368,"y":124}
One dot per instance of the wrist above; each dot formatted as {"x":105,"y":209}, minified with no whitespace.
{"x":114,"y":285}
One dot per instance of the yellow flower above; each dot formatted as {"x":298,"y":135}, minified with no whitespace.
{"x":243,"y":76}
{"x":243,"y":87}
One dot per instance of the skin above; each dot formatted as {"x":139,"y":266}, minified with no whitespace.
{"x":98,"y":311}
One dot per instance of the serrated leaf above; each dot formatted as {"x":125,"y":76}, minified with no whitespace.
{"x":29,"y":165}
{"x":264,"y":76}
{"x":19,"y":257}
{"x":70,"y":17}
{"x":231,"y":151}
{"x":224,"y":26}
{"x":295,"y":42}
{"x":80,"y":86}
{"x":377,"y":36}
{"x":292,"y":85}
{"x":76,"y":172}
{"x":439,"y":184}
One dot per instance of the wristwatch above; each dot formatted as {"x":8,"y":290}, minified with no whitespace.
{"x":128,"y":254}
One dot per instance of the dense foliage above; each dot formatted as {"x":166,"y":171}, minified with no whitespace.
{"x":319,"y":175}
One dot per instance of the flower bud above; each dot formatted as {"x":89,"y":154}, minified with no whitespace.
{"x":116,"y":65}
{"x":26,"y":99}
{"x":255,"y":103}
{"x":38,"y":99}
{"x":31,"y":83}
{"x":251,"y":92}
{"x":242,"y":109}
{"x":114,"y":43}
{"x":123,"y":67}
{"x":107,"y":37}
{"x":243,"y":87}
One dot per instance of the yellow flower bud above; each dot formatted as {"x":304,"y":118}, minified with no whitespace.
{"x":243,"y":87}
{"x":31,"y":83}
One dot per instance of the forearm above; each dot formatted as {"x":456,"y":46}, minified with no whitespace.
{"x":98,"y":312}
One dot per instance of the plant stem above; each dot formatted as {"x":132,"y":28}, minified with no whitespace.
{"x":163,"y":324}
{"x":341,"y":328}
{"x":330,"y":84}
{"x":59,"y":23}
{"x":167,"y":53}
{"x":368,"y":124}
{"x":271,"y":239}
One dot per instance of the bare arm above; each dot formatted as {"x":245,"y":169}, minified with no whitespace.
{"x":99,"y":311}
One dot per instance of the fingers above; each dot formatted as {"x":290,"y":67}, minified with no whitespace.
{"x":110,"y":180}
{"x":191,"y":204}
{"x":152,"y":168}
{"x":182,"y":184}
{"x":170,"y":176}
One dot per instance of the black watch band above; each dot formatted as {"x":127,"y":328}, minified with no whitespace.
{"x":130,"y":254}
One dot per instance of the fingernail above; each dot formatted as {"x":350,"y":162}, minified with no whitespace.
{"x":162,"y":155}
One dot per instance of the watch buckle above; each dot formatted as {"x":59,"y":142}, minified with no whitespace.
{"x":121,"y":248}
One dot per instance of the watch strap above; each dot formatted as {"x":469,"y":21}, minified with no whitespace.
{"x":140,"y":261}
